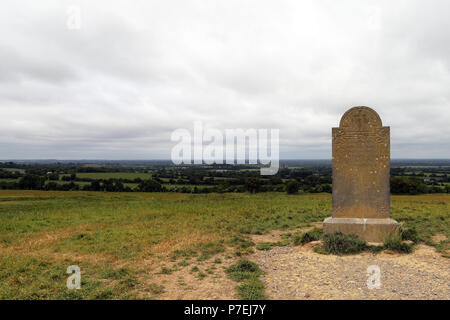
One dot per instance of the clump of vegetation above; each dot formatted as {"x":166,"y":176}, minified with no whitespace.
{"x":375,"y":248}
{"x":395,"y":243}
{"x":184,"y":253}
{"x":270,"y":245}
{"x":253,"y":289}
{"x":292,"y":187}
{"x":201,"y":275}
{"x":156,"y":288}
{"x":320,"y":250}
{"x":308,"y":236}
{"x":339,"y":243}
{"x":410,"y":185}
{"x":409,"y":234}
{"x":128,"y":283}
{"x":242,"y":244}
{"x":243,"y":269}
{"x":264,"y":246}
{"x":165,"y":270}
{"x":209,"y":249}
{"x":194,"y":269}
{"x":116,"y":274}
{"x":247,"y":272}
{"x":183,"y":263}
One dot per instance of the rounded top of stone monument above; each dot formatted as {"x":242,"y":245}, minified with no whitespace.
{"x":360,"y":119}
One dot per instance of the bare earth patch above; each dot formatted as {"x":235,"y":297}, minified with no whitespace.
{"x":300,"y":273}
{"x":438,"y":237}
{"x":186,"y":284}
{"x":275,"y":235}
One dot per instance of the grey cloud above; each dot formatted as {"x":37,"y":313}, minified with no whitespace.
{"x":136,"y":71}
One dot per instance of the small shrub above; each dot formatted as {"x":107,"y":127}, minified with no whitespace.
{"x":395,"y":243}
{"x":218,"y":260}
{"x":409,"y":234}
{"x":339,"y":243}
{"x":292,"y":187}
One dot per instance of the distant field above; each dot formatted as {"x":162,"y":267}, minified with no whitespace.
{"x":113,"y":175}
{"x":13,"y":170}
{"x":9,"y":180}
{"x":116,"y":238}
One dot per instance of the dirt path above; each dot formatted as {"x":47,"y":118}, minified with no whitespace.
{"x":296,"y":272}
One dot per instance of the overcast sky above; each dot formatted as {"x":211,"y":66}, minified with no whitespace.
{"x":117,"y":87}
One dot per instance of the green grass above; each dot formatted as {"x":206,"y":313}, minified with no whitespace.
{"x":24,"y":277}
{"x":395,"y":243}
{"x":42,"y":233}
{"x":247,"y":272}
{"x":338,"y":243}
{"x":309,"y":236}
{"x":427,"y":215}
{"x":156,"y":289}
{"x":270,"y":245}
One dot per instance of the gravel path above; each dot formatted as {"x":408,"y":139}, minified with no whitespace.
{"x":300,"y":273}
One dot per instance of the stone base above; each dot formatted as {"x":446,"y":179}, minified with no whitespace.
{"x":371,"y":230}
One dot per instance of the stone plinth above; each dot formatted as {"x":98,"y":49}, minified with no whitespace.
{"x":361,"y":187}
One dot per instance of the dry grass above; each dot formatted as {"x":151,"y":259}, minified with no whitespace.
{"x":122,"y":240}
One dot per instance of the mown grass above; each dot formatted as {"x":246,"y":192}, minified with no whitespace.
{"x":42,"y":233}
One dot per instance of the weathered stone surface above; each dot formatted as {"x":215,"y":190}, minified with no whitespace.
{"x":361,"y":162}
{"x":372,"y":230}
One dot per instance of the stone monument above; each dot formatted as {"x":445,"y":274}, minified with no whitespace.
{"x":361,"y":173}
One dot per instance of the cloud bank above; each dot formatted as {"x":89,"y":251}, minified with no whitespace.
{"x":135,"y":71}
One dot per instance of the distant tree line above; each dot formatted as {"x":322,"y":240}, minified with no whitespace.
{"x":205,"y":179}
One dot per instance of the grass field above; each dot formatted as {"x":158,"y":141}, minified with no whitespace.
{"x":113,"y":175}
{"x":113,"y":237}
